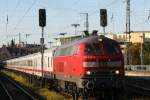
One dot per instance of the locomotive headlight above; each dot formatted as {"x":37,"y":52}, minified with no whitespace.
{"x":100,"y":40}
{"x":117,"y":71}
{"x":88,"y":72}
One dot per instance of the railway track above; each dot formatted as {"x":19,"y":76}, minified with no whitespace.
{"x":13,"y":91}
{"x":138,"y":86}
{"x":140,"y":90}
{"x":4,"y":93}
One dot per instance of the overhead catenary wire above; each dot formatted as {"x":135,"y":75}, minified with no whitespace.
{"x":15,"y":8}
{"x":6,"y":15}
{"x":145,"y":19}
{"x":76,"y":2}
{"x":106,"y":6}
{"x":21,"y":19}
{"x":10,"y":16}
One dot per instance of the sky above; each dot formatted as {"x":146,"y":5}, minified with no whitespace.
{"x":21,"y":16}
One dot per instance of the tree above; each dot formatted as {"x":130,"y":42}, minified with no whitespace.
{"x":135,"y":51}
{"x":12,"y":43}
{"x":146,"y":53}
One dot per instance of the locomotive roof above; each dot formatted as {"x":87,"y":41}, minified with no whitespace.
{"x":86,"y":40}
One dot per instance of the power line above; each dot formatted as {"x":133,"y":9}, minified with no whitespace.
{"x":76,"y":2}
{"x":17,"y":5}
{"x":21,"y":19}
{"x":106,"y":6}
{"x":112,"y":3}
{"x":145,"y":19}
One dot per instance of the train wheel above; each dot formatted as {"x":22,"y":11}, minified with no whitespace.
{"x":85,"y":94}
{"x":75,"y":92}
{"x":75,"y":96}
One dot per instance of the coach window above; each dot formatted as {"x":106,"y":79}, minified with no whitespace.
{"x":48,"y":61}
{"x":26,"y":63}
{"x":36,"y":62}
{"x":30,"y":62}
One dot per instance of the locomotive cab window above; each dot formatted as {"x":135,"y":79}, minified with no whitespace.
{"x":110,"y":47}
{"x":93,"y":49}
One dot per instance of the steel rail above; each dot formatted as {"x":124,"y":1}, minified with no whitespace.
{"x":8,"y":94}
{"x":139,"y":87}
{"x":20,"y":88}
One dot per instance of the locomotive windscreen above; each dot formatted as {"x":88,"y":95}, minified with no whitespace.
{"x":110,"y":47}
{"x":105,"y":47}
{"x":93,"y":49}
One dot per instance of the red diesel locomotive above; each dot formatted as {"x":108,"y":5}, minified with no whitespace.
{"x":89,"y":63}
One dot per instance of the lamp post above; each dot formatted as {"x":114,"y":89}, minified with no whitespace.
{"x":75,"y":26}
{"x":63,"y":34}
{"x":50,"y":44}
{"x":141,"y":52}
{"x":27,"y":35}
{"x":62,"y":39}
{"x":87,"y":21}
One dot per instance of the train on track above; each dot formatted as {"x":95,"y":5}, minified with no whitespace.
{"x":86,"y":64}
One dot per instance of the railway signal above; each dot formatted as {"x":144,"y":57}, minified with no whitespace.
{"x":103,"y":18}
{"x":42,"y":17}
{"x":42,"y":23}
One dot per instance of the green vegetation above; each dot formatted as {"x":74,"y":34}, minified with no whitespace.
{"x":50,"y":95}
{"x":44,"y":92}
{"x":135,"y":51}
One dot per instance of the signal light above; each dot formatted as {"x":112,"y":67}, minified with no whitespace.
{"x":42,"y":17}
{"x":103,"y":17}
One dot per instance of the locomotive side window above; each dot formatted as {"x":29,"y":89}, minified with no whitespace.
{"x":69,"y":51}
{"x":57,"y":52}
{"x":75,"y":49}
{"x":63,"y":51}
